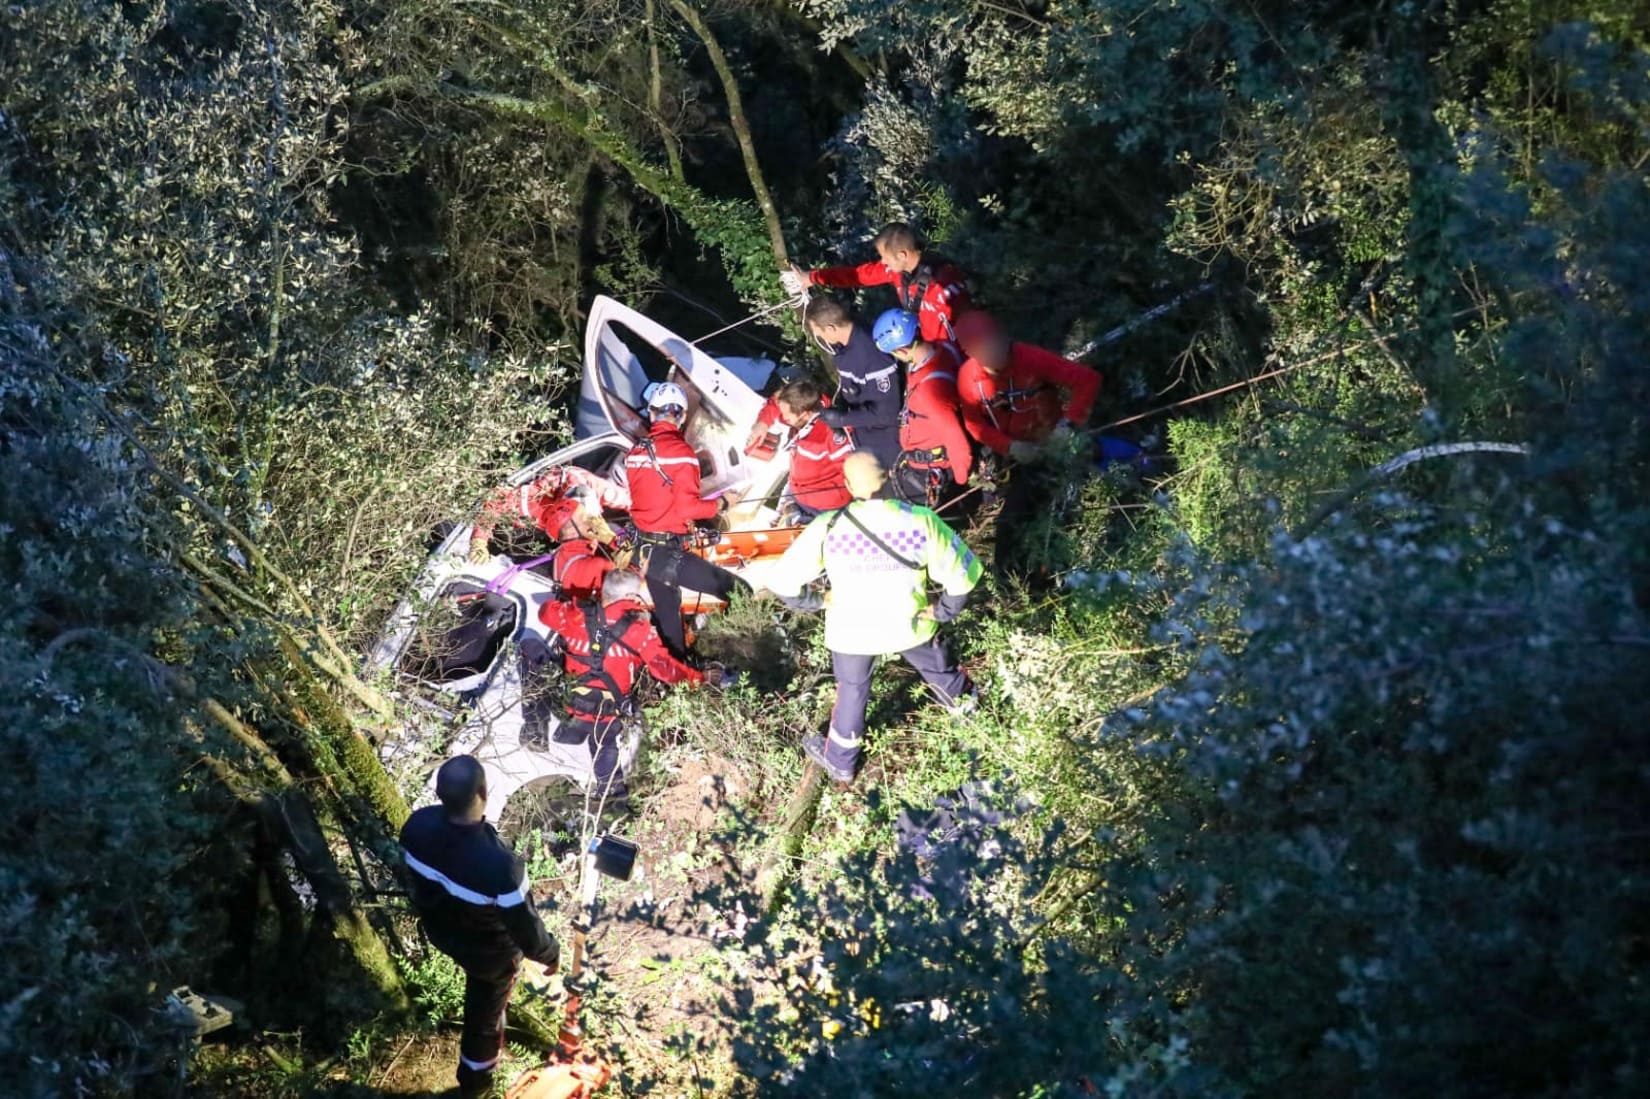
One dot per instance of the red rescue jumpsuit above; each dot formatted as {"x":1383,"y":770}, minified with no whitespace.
{"x":579,"y":567}
{"x":937,"y":292}
{"x":1022,"y":403}
{"x":544,"y":502}
{"x":931,"y":436}
{"x":817,"y":453}
{"x":604,"y":693}
{"x":663,"y":473}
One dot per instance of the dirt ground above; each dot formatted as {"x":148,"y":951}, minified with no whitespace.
{"x":653,"y":947}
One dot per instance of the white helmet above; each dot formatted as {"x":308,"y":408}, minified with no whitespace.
{"x":664,"y":397}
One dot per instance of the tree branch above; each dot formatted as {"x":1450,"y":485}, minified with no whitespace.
{"x":1387,"y":468}
{"x":741,"y":128}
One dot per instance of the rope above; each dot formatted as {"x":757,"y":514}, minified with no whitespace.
{"x":788,"y":303}
{"x":1145,"y":318}
{"x":1229,"y":388}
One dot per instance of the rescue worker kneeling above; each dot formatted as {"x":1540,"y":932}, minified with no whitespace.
{"x":472,"y":895}
{"x":879,"y":556}
{"x":603,"y":647}
{"x":665,"y":505}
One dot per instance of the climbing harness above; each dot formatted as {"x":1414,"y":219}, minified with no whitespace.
{"x":602,"y":637}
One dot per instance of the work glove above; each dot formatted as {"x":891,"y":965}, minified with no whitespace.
{"x":794,"y":280}
{"x":479,"y":553}
{"x":832,"y":417}
{"x":599,"y":528}
{"x":1022,"y":451}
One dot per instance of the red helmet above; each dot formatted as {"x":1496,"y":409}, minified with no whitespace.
{"x":559,"y":514}
{"x":976,"y":329}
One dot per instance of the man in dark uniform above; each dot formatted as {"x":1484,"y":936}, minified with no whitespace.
{"x":666,"y":507}
{"x":872,"y":389}
{"x":471,"y":893}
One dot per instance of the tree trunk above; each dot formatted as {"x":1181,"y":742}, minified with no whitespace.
{"x":799,"y":820}
{"x":655,"y":97}
{"x":362,"y":773}
{"x":741,"y":129}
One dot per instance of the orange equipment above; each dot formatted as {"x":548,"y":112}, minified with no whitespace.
{"x":737,"y":547}
{"x":574,"y":1072}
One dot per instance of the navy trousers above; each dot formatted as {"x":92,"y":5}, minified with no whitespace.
{"x":853,"y":694}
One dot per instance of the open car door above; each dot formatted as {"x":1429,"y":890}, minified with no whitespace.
{"x":624,"y":352}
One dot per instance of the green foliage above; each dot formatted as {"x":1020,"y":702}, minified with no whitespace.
{"x":106,"y":863}
{"x":437,"y":986}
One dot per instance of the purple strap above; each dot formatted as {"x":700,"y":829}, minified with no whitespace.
{"x":504,"y":579}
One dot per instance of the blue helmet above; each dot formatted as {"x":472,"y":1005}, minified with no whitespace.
{"x":895,"y":329}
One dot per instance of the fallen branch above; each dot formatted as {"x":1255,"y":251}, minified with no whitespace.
{"x":799,"y":819}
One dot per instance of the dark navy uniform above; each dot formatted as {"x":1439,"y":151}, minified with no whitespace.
{"x":471,"y":892}
{"x":871,"y":396}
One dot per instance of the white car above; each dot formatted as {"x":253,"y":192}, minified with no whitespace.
{"x":454,"y":647}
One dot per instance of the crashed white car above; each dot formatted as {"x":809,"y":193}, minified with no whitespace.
{"x":453,"y":647}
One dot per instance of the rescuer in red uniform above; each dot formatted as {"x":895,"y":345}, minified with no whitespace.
{"x":936,"y":456}
{"x":817,"y":450}
{"x":581,"y":564}
{"x":1015,"y":395}
{"x":928,"y":286}
{"x":603,"y":648}
{"x":542,"y":503}
{"x":665,"y":505}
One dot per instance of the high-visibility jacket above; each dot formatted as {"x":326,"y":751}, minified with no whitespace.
{"x":1023,"y":403}
{"x":663,"y":473}
{"x":871,"y":394}
{"x":875,"y":595}
{"x":471,"y":891}
{"x":817,"y":454}
{"x":935,"y":291}
{"x":632,"y":643}
{"x":544,"y":502}
{"x":579,"y":567}
{"x":931,"y":433}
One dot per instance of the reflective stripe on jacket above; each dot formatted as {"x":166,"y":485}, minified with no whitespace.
{"x":663,"y":473}
{"x":471,"y":891}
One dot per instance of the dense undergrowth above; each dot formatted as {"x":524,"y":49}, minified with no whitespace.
{"x":1310,"y":759}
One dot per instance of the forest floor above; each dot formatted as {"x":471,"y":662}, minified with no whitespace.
{"x":654,"y":946}
{"x":657,"y":949}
